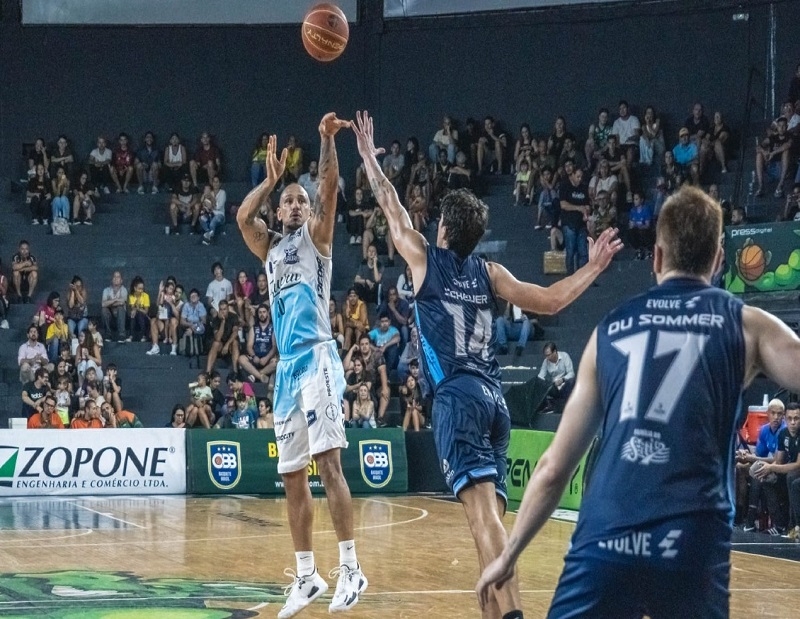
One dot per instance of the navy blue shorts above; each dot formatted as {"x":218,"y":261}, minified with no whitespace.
{"x":672,"y":570}
{"x":471,"y":427}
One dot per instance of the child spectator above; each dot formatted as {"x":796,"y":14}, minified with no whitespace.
{"x":200,"y":407}
{"x":640,"y":227}
{"x":545,"y":212}
{"x":244,"y":417}
{"x":63,"y":397}
{"x":522,"y":183}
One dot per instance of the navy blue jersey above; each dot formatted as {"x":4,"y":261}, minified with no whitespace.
{"x":454,"y":317}
{"x":670,"y":367}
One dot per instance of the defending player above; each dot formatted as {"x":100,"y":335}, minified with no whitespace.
{"x":662,"y":376}
{"x":309,"y":381}
{"x":455,"y":295}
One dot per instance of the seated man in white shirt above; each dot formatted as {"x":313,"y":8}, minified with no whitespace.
{"x":558,"y":372}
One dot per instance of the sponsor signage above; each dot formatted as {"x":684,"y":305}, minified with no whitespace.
{"x":762,"y":257}
{"x":524,"y":451}
{"x":129,"y":461}
{"x":246,"y":462}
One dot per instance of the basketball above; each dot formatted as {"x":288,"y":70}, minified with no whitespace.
{"x":752,"y":262}
{"x":757,"y":466}
{"x":325,"y":32}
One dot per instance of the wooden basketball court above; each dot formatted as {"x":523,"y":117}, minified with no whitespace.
{"x":223,"y":557}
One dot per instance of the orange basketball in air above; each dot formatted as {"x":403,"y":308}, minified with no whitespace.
{"x":752,"y":263}
{"x":325,"y":32}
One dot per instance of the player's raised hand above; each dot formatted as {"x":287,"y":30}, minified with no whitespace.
{"x":495,"y":574}
{"x":330,"y":125}
{"x":603,"y":249}
{"x":365,"y":136}
{"x":275,"y":167}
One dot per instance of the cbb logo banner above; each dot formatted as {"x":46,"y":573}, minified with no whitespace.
{"x":376,"y":462}
{"x":224,"y":464}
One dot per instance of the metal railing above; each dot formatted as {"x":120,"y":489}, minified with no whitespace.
{"x":750,"y":103}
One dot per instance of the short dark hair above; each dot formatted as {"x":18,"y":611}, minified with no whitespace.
{"x":364,"y":336}
{"x":215,"y":265}
{"x":792,"y":405}
{"x":193,"y":291}
{"x":623,"y":102}
{"x":413,"y":363}
{"x":383,"y":315}
{"x":464,"y":217}
{"x":42,"y":371}
{"x":551,"y":346}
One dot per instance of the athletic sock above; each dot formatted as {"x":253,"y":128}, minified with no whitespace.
{"x":305,"y":563}
{"x":347,"y":554}
{"x":514,"y":614}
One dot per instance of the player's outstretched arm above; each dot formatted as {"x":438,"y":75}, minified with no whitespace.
{"x":553,"y":299}
{"x":322,"y":222}
{"x":581,"y":420}
{"x":410,"y":243}
{"x":256,"y":235}
{"x":772,"y":348}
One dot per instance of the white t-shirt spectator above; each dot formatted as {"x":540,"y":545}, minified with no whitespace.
{"x":219,"y":290}
{"x":310,"y":185}
{"x":104,"y":157}
{"x":626,"y":129}
{"x":603,"y":184}
{"x":560,"y":369}
{"x":221,"y":198}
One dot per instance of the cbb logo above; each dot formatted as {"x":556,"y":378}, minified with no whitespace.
{"x":224,"y":461}
{"x":378,"y":460}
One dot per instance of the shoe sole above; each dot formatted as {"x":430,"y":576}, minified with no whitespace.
{"x":319,"y":593}
{"x":365,"y":584}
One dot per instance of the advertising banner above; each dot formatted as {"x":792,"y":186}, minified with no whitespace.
{"x":61,"y":462}
{"x":246,"y":462}
{"x":524,"y":451}
{"x":762,"y":257}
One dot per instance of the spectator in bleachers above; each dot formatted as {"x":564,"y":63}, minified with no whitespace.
{"x":773,"y":154}
{"x":115,"y":298}
{"x":546,"y":204}
{"x":121,"y":418}
{"x":87,"y":357}
{"x":225,"y":327}
{"x":122,"y":163}
{"x":766,"y":446}
{"x":177,"y":417}
{"x":294,"y":161}
{"x":112,"y":386}
{"x":491,"y":147}
{"x":786,"y":465}
{"x":356,"y":321}
{"x":368,"y":278}
{"x":376,"y":372}
{"x":377,"y":233}
{"x":468,"y":142}
{"x":217,"y":397}
{"x":47,"y":418}
{"x":515,"y":324}
{"x":176,"y":163}
{"x":91,"y":388}
{"x":354,"y":378}
{"x":718,"y":137}
{"x":261,"y":293}
{"x":418,"y":208}
{"x":64,"y":369}
{"x":791,"y":209}
{"x":523,"y":148}
{"x":266,"y":418}
{"x":45,"y":313}
{"x":571,"y":153}
{"x":685,"y":151}
{"x":38,"y":156}
{"x":261,"y":351}
{"x":219,"y":289}
{"x":405,"y":286}
{"x":602,"y":180}
{"x":359,"y":211}
{"x":598,"y":137}
{"x":34,"y":391}
{"x":310,"y":180}
{"x":87,"y":417}
{"x":24,"y":272}
{"x":199,"y":410}
{"x":628,"y":129}
{"x":420,"y":175}
{"x":77,"y":311}
{"x":60,"y":203}
{"x":212,"y":217}
{"x":641,"y":229}
{"x":651,"y":140}
{"x":698,"y":125}
{"x":165,"y":321}
{"x":139,"y":311}
{"x":83,"y":200}
{"x":362,"y":182}
{"x":393,"y":164}
{"x":387,"y":341}
{"x":100,"y":166}
{"x":63,"y":397}
{"x":523,"y":183}
{"x":258,"y":161}
{"x":460,"y":174}
{"x":575,"y":209}
{"x":184,"y":206}
{"x":94,"y":333}
{"x":399,"y":312}
{"x":206,"y":163}
{"x":62,"y":158}
{"x":618,"y":162}
{"x":245,"y":415}
{"x":445,"y":139}
{"x":411,"y":353}
{"x":225,"y":419}
{"x":243,"y":289}
{"x":410,"y":157}
{"x":555,"y":143}
{"x":193,"y":317}
{"x":148,"y":163}
{"x":337,"y":323}
{"x":411,"y":408}
{"x":57,"y":336}
{"x":604,"y":213}
{"x":362,"y":413}
{"x":440,"y":174}
{"x":38,"y":195}
{"x":237,"y":388}
{"x":558,"y":372}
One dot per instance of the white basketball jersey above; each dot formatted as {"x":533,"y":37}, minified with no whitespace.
{"x":300,"y":288}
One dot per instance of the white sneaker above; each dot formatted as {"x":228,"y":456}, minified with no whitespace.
{"x":4,"y":324}
{"x":352,"y":239}
{"x":140,"y":191}
{"x":154,"y":190}
{"x":154,"y":350}
{"x":302,"y":591}
{"x":174,"y":350}
{"x":358,"y":240}
{"x":350,"y":585}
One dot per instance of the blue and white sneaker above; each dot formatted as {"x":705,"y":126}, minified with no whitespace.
{"x":301,"y":592}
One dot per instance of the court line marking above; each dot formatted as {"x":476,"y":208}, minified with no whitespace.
{"x":107,"y":515}
{"x":424,"y":514}
{"x":11,"y":543}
